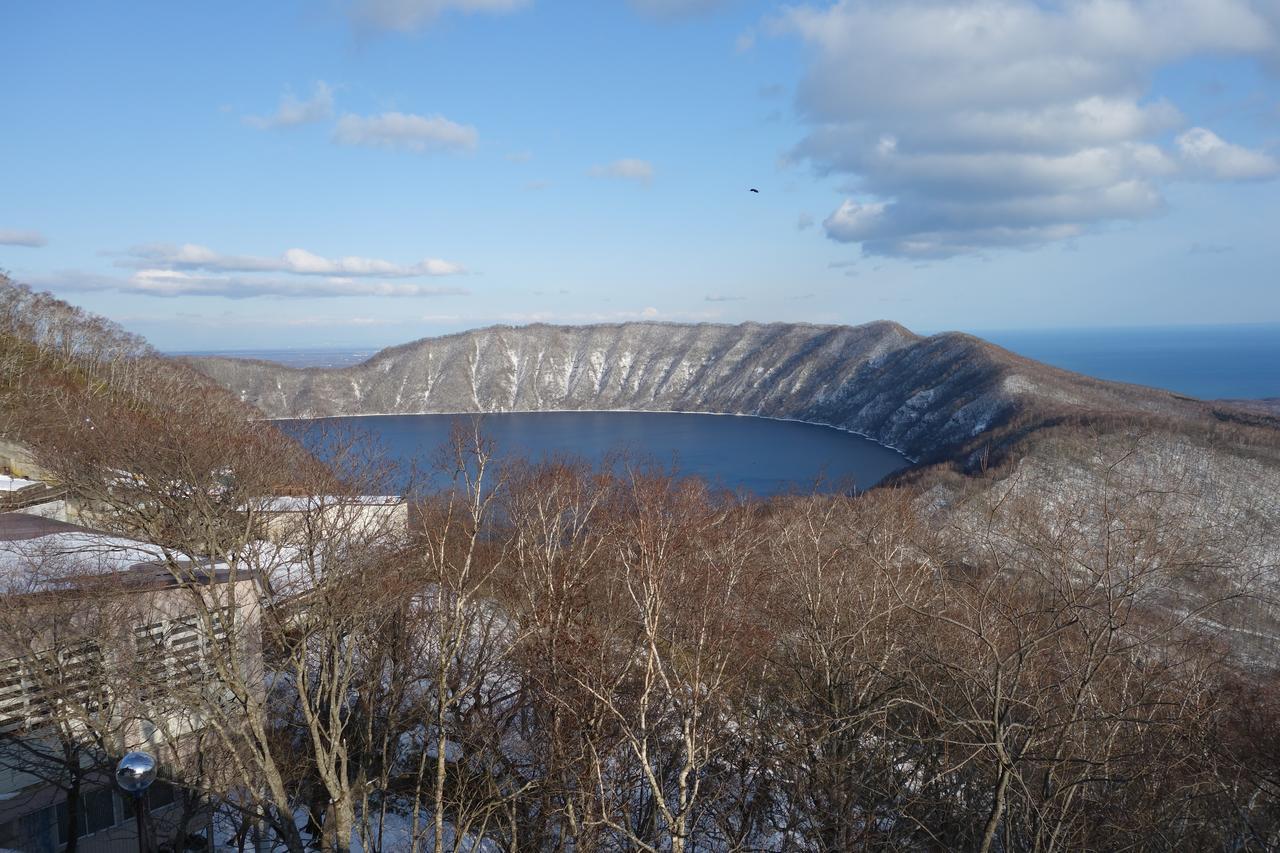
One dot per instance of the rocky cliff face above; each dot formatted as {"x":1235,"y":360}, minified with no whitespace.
{"x":919,"y":395}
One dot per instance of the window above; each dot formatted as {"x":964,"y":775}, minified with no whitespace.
{"x":98,"y":810}
{"x":61,"y":818}
{"x":13,"y":704}
{"x":12,"y":834}
{"x":31,"y":687}
{"x":32,"y":833}
{"x":173,"y":653}
{"x":159,"y":795}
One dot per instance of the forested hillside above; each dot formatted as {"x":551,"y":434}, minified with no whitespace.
{"x":1035,"y":644}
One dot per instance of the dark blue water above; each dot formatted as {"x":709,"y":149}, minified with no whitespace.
{"x":1210,"y":362}
{"x":756,"y":455}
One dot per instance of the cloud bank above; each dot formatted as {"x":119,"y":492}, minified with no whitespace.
{"x":163,"y":269}
{"x":175,"y":283}
{"x":160,"y":282}
{"x":189,"y":256}
{"x":957,"y":127}
{"x":293,"y":112}
{"x":627,"y":168}
{"x":405,"y":131}
{"x":30,"y":239}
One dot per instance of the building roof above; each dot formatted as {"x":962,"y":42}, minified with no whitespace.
{"x":18,"y":525}
{"x":40,"y":554}
{"x":312,"y":503}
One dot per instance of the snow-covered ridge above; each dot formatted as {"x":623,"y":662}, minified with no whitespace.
{"x":880,"y":380}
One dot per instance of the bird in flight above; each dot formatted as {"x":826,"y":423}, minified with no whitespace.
{"x":754,"y":190}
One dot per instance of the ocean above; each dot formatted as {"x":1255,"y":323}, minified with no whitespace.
{"x":1209,"y":362}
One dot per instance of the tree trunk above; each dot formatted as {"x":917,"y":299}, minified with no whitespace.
{"x":73,"y":808}
{"x":997,"y":810}
{"x":344,"y":820}
{"x":439,"y":788}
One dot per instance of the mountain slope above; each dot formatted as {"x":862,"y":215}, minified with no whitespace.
{"x":927,"y":397}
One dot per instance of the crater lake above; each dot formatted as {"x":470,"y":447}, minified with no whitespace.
{"x":740,"y":453}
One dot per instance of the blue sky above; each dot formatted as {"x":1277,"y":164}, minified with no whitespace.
{"x":244,"y":175}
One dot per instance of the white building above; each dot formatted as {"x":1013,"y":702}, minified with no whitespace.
{"x":142,"y":628}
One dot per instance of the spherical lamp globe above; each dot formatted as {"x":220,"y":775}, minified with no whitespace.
{"x":135,"y":772}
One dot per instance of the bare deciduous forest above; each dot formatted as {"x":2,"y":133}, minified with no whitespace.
{"x":552,"y":657}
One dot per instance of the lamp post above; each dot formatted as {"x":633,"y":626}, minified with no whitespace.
{"x":134,"y":774}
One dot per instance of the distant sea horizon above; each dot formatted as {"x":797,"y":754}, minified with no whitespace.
{"x":1208,"y":362}
{"x":1220,"y":362}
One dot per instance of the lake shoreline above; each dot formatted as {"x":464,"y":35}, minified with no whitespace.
{"x":760,"y":454}
{"x":873,"y":439}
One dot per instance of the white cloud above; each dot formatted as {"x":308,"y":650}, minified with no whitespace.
{"x":30,"y":239}
{"x":627,"y":168}
{"x":1205,"y":153}
{"x":405,"y":131}
{"x":853,"y":222}
{"x":293,"y":112}
{"x":192,"y":257}
{"x":306,"y":263}
{"x":406,"y":16}
{"x":170,"y":282}
{"x":959,"y":126}
{"x":161,"y":282}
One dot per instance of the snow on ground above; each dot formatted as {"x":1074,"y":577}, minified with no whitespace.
{"x":392,"y":834}
{"x":397,"y":833}
{"x":12,"y":484}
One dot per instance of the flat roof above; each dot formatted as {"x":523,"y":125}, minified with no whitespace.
{"x":68,"y":554}
{"x":308,"y":503}
{"x":20,"y":525}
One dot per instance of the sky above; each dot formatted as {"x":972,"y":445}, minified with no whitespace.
{"x":366,"y":172}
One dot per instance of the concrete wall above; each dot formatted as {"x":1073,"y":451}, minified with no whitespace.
{"x":352,"y":518}
{"x":27,"y":802}
{"x":17,"y":460}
